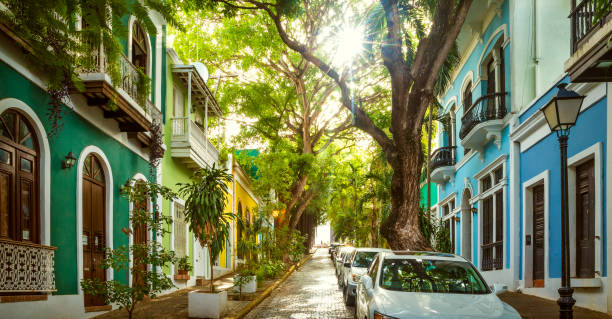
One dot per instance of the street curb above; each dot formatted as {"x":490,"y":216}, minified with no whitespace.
{"x":245,"y":311}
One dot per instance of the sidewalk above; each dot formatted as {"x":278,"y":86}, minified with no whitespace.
{"x":532,"y":307}
{"x":172,"y":305}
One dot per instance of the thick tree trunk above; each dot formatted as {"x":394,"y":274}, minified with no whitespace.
{"x":401,"y":228}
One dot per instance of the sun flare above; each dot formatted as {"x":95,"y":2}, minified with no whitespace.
{"x":349,"y":44}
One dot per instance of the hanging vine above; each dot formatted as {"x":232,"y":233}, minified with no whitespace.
{"x":61,"y":39}
{"x":156,"y":148}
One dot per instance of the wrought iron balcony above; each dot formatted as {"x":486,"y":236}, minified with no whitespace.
{"x":190,"y":143}
{"x":583,"y":21}
{"x":443,"y":164}
{"x":26,"y":267}
{"x":127,"y":101}
{"x":489,"y":262}
{"x":488,"y":107}
{"x":444,"y":156}
{"x":483,"y":122}
{"x":591,"y":59}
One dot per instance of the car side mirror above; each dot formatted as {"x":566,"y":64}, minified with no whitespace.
{"x":499,"y":289}
{"x":366,"y":281}
{"x":347,"y":264}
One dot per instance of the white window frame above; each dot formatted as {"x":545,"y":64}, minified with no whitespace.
{"x":137,"y":177}
{"x":452,"y":214}
{"x":180,"y":202}
{"x":542,"y":178}
{"x":502,"y":185}
{"x":592,"y":152}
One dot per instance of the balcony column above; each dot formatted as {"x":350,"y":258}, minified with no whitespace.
{"x":187,"y":129}
{"x":498,"y":76}
{"x":206,"y":123}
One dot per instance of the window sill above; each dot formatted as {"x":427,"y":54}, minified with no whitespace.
{"x":22,"y":298}
{"x":181,"y":277}
{"x":586,"y":282}
{"x":98,"y":308}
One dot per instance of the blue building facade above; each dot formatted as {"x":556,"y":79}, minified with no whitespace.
{"x":471,"y":167}
{"x":498,"y":167}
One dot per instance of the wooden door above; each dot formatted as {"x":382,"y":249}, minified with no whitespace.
{"x":538,"y":236}
{"x":140,"y":234}
{"x":94,"y":224}
{"x":585,"y":220}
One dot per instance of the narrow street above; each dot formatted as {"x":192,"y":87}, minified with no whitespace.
{"x":310,"y":292}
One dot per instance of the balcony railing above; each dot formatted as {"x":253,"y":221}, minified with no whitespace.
{"x":583,"y":21}
{"x":132,"y":81}
{"x":488,"y":107}
{"x":492,"y":256}
{"x":444,"y":156}
{"x":196,"y":136}
{"x":26,"y":267}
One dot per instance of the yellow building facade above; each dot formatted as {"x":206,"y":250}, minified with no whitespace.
{"x":242,"y":201}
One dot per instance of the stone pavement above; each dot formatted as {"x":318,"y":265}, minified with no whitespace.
{"x":532,"y":307}
{"x":310,"y":292}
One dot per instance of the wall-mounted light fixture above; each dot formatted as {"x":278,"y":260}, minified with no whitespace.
{"x":69,"y":160}
{"x":457,"y":219}
{"x":474,"y":210}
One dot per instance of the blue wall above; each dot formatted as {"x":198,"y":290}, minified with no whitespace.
{"x":590,"y":129}
{"x":496,"y":31}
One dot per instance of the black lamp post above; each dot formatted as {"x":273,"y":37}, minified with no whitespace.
{"x":561,"y":114}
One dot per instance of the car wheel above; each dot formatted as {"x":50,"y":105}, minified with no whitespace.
{"x":348,"y":299}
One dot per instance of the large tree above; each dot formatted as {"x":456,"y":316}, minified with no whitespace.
{"x":289,"y":100}
{"x":414,"y":39}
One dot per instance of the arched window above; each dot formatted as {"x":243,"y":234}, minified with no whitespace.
{"x":467,"y":97}
{"x":140,"y":51}
{"x":239,"y":230}
{"x":19,"y":178}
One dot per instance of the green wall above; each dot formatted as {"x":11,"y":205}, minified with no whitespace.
{"x":173,"y":170}
{"x":76,"y":134}
{"x":434,"y":195}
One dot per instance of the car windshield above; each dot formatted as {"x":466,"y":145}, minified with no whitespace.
{"x":347,"y":256}
{"x":426,"y":275}
{"x":363,"y":259}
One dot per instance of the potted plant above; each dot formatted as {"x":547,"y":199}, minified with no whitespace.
{"x":206,"y":197}
{"x":246,"y":280}
{"x":183,"y":268}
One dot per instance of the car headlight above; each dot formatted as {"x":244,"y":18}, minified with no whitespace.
{"x":356,"y":277}
{"x":378,"y":315}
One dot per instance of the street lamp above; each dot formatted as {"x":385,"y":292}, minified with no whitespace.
{"x":561,"y":114}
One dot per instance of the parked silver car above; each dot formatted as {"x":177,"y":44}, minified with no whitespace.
{"x":343,"y":253}
{"x":356,"y":266}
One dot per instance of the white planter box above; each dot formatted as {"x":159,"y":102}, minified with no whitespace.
{"x":249,"y":287}
{"x":203,"y":304}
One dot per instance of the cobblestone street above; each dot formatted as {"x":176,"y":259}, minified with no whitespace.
{"x":310,"y":292}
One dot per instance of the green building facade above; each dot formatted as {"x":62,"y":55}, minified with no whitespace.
{"x":59,"y":213}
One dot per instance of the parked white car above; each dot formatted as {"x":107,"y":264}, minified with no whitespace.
{"x":342,"y":256}
{"x":357,"y":265}
{"x":402,"y":285}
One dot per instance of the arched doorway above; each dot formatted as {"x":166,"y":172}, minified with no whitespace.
{"x":19,"y":179}
{"x":140,"y":232}
{"x":94,"y":224}
{"x":466,"y":225}
{"x":239,"y":232}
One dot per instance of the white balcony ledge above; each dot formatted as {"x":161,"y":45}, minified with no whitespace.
{"x":443,"y":174}
{"x":481,"y":134}
{"x":190,"y":144}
